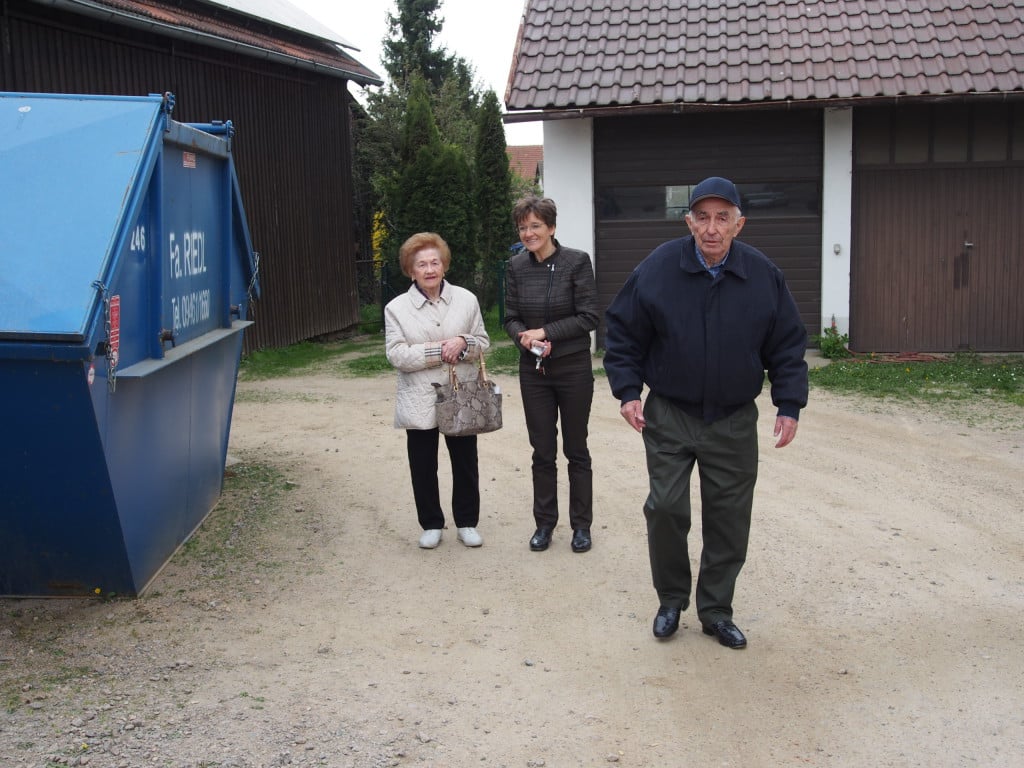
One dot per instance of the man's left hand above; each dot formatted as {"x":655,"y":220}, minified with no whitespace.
{"x":785,"y":430}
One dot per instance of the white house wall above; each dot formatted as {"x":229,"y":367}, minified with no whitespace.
{"x":837,"y":202}
{"x":569,"y":180}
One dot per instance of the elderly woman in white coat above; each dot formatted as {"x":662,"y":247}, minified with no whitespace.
{"x":434,"y":325}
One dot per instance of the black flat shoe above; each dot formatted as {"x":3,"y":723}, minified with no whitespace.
{"x":728,"y":634}
{"x":541,"y":539}
{"x":666,"y":622}
{"x":581,"y":540}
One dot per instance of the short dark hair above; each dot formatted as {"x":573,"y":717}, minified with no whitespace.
{"x":542,"y":207}
{"x":418,"y":242}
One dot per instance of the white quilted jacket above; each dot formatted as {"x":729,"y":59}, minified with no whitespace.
{"x":413,"y":331}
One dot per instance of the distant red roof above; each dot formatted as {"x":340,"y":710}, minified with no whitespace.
{"x":526,"y":161}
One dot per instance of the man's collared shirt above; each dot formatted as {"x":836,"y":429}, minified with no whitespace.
{"x":715,"y":269}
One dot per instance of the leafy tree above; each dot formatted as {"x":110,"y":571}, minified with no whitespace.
{"x":409,"y":54}
{"x":420,"y":127}
{"x":455,"y":109}
{"x":433,"y":189}
{"x":429,"y":115}
{"x":410,"y":49}
{"x":364,"y":204}
{"x":493,"y":197}
{"x":437,"y":196}
{"x":401,"y":182}
{"x":377,"y":150}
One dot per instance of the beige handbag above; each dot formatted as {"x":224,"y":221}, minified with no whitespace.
{"x":470,"y":407}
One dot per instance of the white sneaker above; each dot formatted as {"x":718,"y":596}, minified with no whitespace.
{"x":430,"y":538}
{"x":470,"y":537}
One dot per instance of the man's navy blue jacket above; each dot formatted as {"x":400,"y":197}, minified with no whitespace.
{"x":705,"y":342}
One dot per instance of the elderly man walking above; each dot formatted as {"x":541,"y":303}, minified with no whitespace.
{"x":699,"y":322}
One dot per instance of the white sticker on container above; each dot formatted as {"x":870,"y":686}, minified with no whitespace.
{"x":92,"y":374}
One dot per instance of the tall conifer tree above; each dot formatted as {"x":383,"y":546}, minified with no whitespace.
{"x":493,"y":184}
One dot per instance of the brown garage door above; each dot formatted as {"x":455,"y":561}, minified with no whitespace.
{"x":937,"y":252}
{"x":938,"y":260}
{"x":645,"y":167}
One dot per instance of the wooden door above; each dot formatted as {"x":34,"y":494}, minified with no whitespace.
{"x":938,"y":260}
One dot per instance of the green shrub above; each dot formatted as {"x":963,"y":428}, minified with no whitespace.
{"x":832,"y":344}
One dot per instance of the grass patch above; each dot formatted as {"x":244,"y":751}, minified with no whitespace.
{"x":503,"y":356}
{"x":17,"y":693}
{"x":368,"y":365}
{"x":272,"y":396}
{"x":285,"y":361}
{"x":492,"y":322}
{"x":961,"y":377}
{"x":363,"y":356}
{"x":11,"y":697}
{"x":252,"y":493}
{"x":302,"y":357}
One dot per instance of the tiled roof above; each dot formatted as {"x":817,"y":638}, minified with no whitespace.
{"x":525,"y":160}
{"x":575,"y":54}
{"x":224,"y":28}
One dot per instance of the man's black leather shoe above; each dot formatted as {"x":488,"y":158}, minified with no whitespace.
{"x":581,"y":540}
{"x":666,"y":622}
{"x":541,"y":539}
{"x":728,"y":634}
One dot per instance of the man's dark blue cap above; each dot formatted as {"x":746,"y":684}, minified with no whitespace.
{"x":715,"y":186}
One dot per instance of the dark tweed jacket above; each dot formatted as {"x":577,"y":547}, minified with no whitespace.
{"x":558,"y":294}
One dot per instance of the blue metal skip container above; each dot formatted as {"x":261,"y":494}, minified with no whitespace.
{"x":126,"y":277}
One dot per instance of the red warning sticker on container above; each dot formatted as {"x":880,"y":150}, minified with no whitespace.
{"x":188,"y":159}
{"x":115,"y":328}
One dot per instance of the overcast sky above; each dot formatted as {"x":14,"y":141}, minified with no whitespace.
{"x":481,"y":31}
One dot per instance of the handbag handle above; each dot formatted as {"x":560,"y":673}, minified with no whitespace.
{"x":481,"y":373}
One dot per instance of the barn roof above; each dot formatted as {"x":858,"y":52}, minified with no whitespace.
{"x":263,"y":29}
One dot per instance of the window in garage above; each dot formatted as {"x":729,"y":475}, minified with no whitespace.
{"x":670,"y":203}
{"x":923,"y":135}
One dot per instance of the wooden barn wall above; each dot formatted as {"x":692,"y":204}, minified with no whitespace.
{"x":292,"y":148}
{"x":756,"y":150}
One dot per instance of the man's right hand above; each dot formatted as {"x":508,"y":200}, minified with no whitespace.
{"x":633,"y":413}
